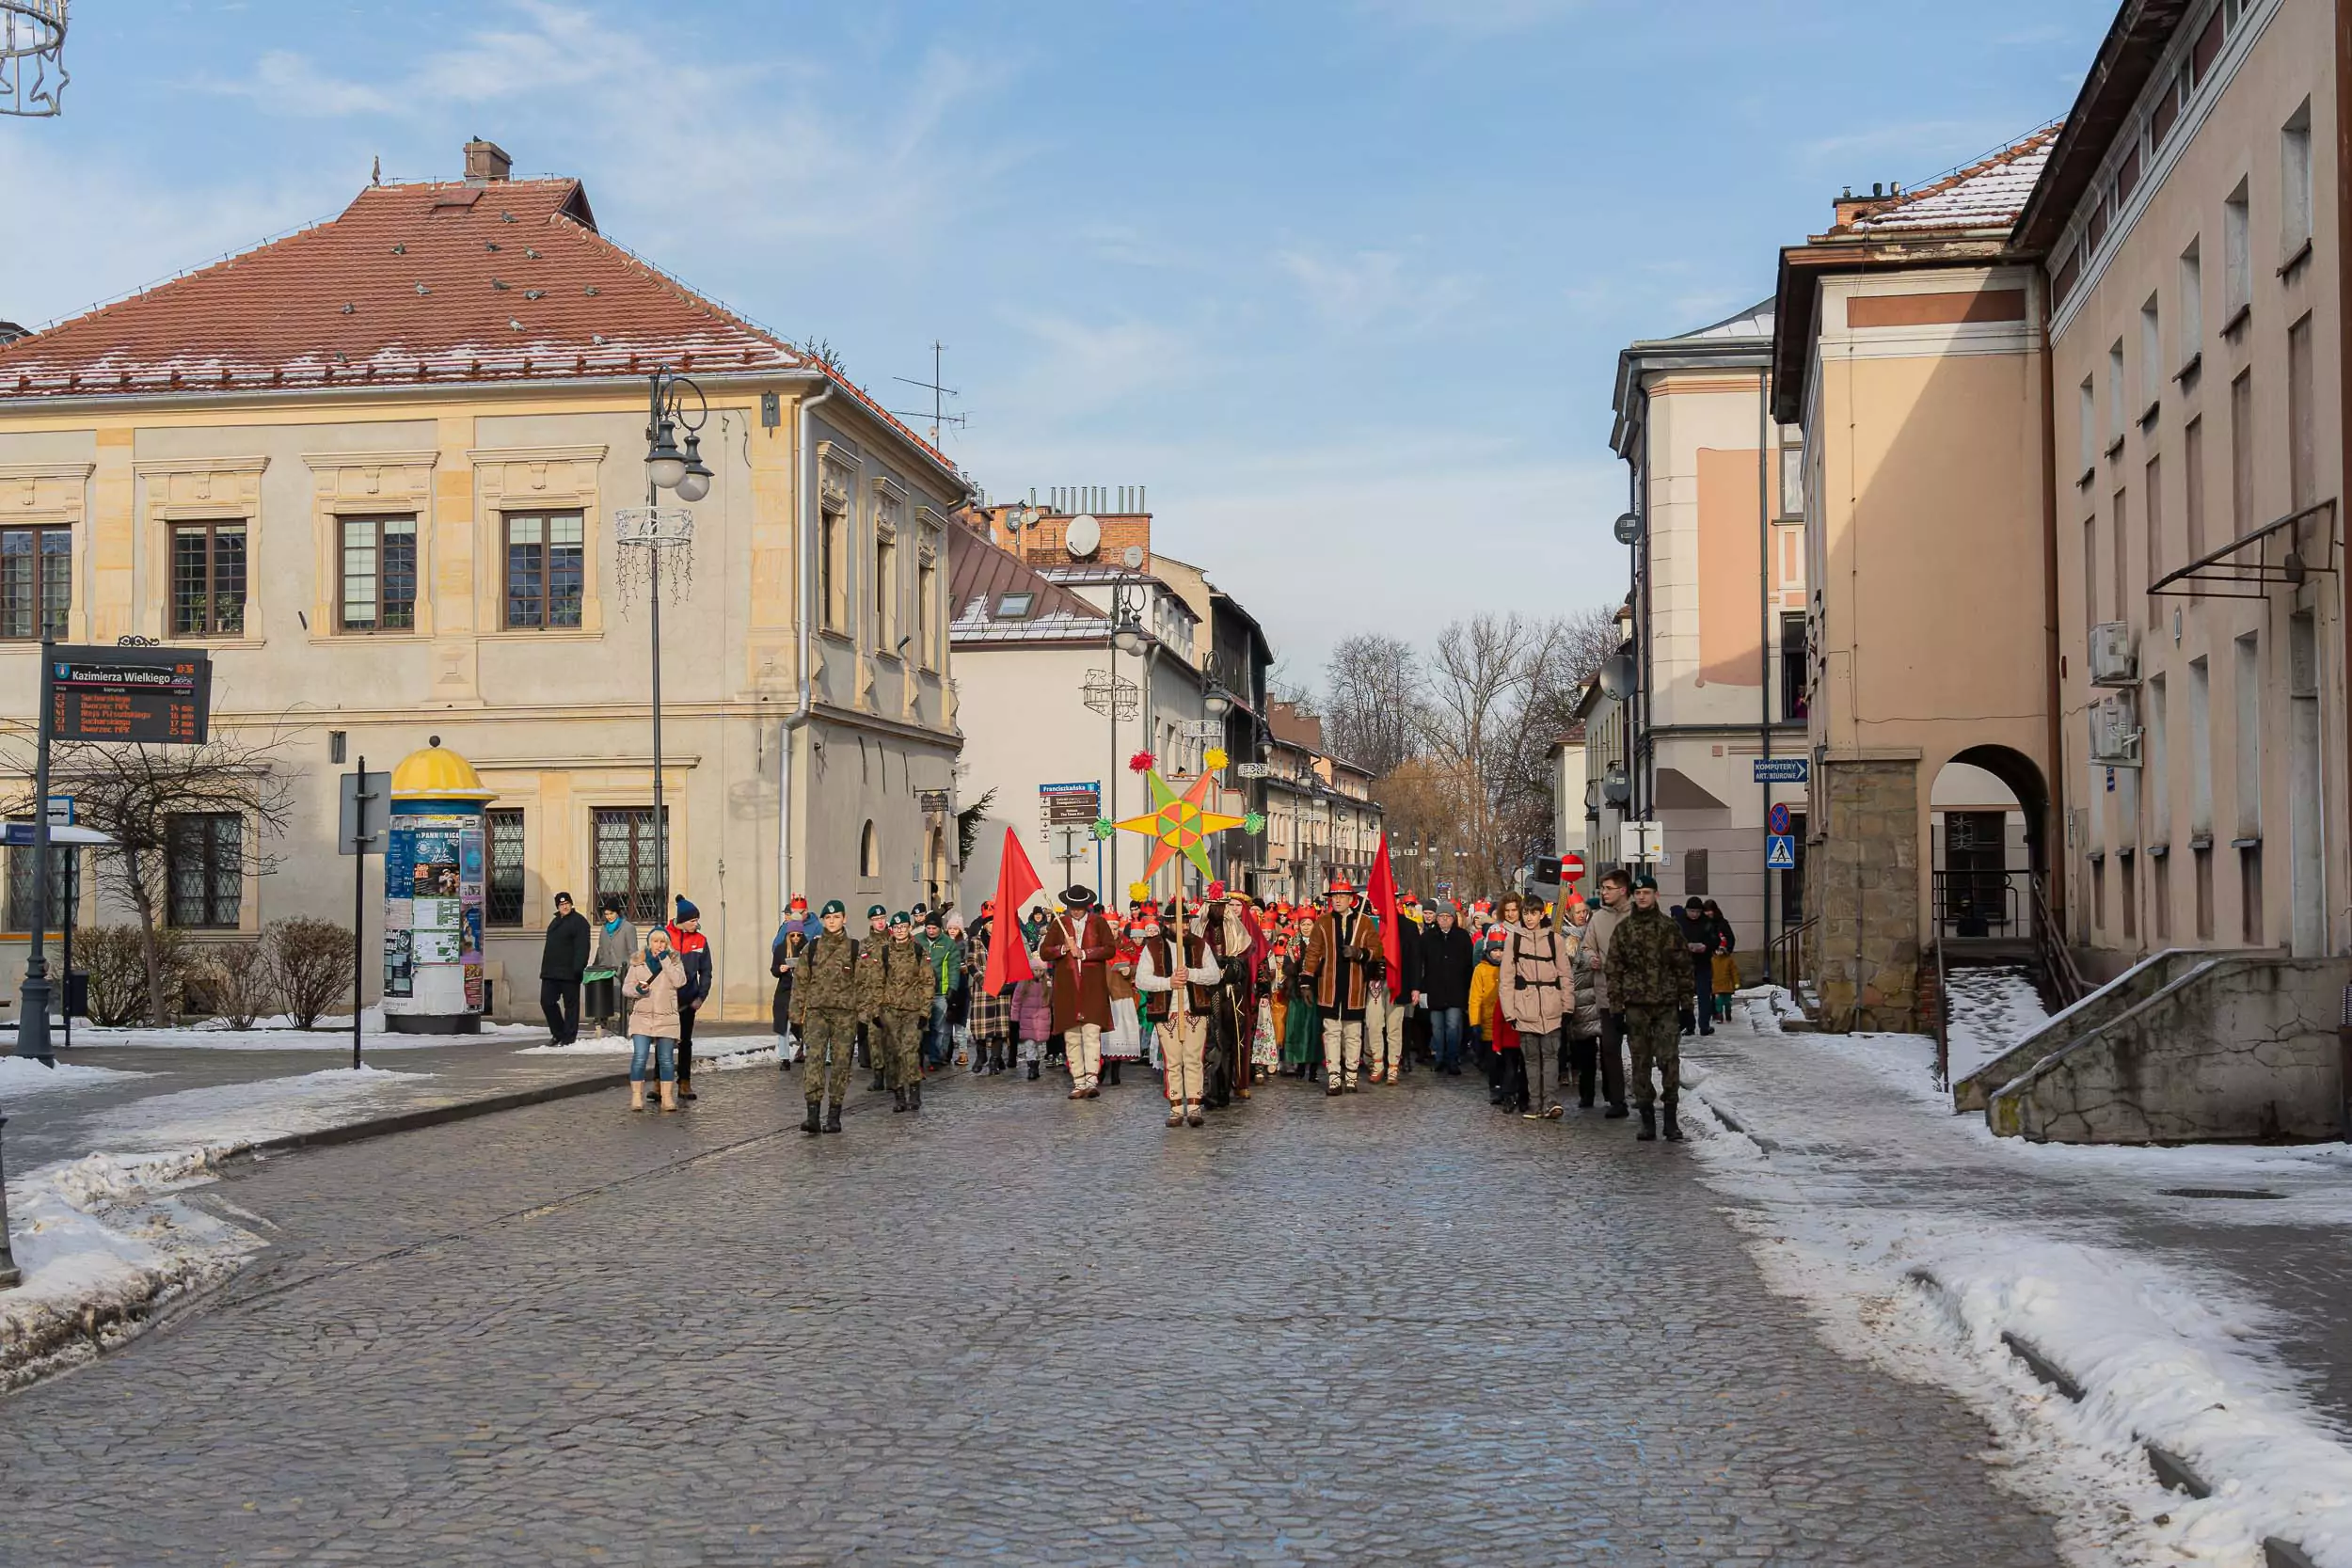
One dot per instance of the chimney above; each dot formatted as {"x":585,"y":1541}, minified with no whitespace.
{"x":486,"y":160}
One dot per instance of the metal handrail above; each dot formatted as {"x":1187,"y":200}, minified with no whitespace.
{"x":1942,"y":1016}
{"x":1786,"y":954}
{"x":2049,"y":945}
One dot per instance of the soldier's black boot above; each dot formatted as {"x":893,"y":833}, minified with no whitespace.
{"x":898,"y":1099}
{"x":808,"y":1123}
{"x":1674,"y":1127}
{"x":832,"y":1116}
{"x":878,"y":1084}
{"x":915,"y":1097}
{"x":1648,"y":1134}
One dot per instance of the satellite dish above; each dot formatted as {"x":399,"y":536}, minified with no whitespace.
{"x":1085,"y":536}
{"x":1133,"y":558}
{"x":1617,"y":676}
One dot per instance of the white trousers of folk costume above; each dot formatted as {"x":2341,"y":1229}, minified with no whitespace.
{"x":1186,"y":1039}
{"x":1384,"y":1032}
{"x":1343,"y":1050}
{"x":1084,"y":1047}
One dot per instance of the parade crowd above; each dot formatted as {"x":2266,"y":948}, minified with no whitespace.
{"x":1217,"y":996}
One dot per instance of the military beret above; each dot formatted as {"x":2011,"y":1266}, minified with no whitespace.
{"x":832,"y":905}
{"x":876,"y":911}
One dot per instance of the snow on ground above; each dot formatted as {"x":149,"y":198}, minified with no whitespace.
{"x":1917,"y":1240}
{"x":1992,"y":1009}
{"x":24,"y":1075}
{"x":101,"y":1242}
{"x":587,"y":1045}
{"x":280,"y":1033}
{"x":228,"y":1115}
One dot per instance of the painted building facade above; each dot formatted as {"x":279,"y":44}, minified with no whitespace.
{"x":373,"y":468}
{"x":1719,"y":609}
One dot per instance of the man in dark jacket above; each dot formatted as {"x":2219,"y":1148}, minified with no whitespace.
{"x":1447,"y":959}
{"x":561,"y":963}
{"x":693,"y":951}
{"x":1649,"y":977}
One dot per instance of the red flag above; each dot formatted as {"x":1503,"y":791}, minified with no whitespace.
{"x":1383,"y":894}
{"x":1016,"y":884}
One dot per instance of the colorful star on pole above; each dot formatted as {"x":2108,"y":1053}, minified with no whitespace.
{"x":1179,"y":824}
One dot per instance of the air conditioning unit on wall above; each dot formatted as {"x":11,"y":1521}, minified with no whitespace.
{"x":2115,"y":731}
{"x":2112,"y":661}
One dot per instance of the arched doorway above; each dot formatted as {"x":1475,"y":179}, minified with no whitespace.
{"x":1989,"y":825}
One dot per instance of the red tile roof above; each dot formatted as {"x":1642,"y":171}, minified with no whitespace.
{"x":431,"y":282}
{"x":1985,"y":195}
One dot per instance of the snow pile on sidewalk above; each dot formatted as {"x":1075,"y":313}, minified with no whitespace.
{"x":231,"y":1115}
{"x":587,"y":1045}
{"x":1917,"y":1241}
{"x":24,"y":1075}
{"x":101,"y":1242}
{"x":280,"y":1033}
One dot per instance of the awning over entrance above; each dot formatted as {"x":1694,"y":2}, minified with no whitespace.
{"x":2285,"y":554}
{"x":1677,"y":791}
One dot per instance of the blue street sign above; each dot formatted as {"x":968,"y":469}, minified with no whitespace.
{"x":1780,"y":852}
{"x":1782,"y":770}
{"x":1776,"y":820}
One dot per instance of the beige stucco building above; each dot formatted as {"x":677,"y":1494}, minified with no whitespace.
{"x":1910,"y":375}
{"x":2192,"y":218}
{"x":373,"y":468}
{"x":1719,"y":608}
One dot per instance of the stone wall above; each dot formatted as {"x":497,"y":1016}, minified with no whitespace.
{"x":2109,"y":1002}
{"x":2241,"y":1046}
{"x":1863,"y":877}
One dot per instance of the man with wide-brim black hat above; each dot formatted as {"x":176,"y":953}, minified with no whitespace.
{"x":1079,"y":945}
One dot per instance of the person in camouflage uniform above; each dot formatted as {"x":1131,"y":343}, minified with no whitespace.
{"x":895,"y":982}
{"x":825,"y":1003}
{"x":1649,"y":977}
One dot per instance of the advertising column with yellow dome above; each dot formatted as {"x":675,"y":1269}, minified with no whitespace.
{"x":433,"y":876}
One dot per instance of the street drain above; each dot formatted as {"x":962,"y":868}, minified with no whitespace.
{"x":2221,"y":1192}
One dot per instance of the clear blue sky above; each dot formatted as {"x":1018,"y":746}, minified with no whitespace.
{"x":1342,"y":281}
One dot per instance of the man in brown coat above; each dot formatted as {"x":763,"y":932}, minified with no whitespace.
{"x":1079,"y":945}
{"x":1342,"y":946}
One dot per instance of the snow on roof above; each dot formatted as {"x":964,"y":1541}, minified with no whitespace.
{"x":1753,"y":321}
{"x":1987,"y":194}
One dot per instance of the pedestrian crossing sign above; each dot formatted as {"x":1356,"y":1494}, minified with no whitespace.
{"x":1780,"y":852}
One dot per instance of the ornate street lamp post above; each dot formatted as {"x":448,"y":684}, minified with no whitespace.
{"x":654,"y":529}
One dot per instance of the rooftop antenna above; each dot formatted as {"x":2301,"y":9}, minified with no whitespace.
{"x":940,"y":416}
{"x":32,"y":58}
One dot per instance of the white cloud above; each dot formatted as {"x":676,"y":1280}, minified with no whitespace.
{"x":1944,"y":142}
{"x":1079,"y":367}
{"x":1374,"y":289}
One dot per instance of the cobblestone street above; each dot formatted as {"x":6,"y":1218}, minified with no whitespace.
{"x":1395,"y":1327}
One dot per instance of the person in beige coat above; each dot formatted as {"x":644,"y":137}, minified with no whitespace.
{"x":1616,"y":894}
{"x":1533,"y":995}
{"x":651,"y":987}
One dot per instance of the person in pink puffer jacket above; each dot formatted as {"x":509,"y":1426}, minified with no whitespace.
{"x":1532,"y":992}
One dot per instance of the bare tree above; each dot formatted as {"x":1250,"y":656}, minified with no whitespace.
{"x":1282,"y":685}
{"x":1372,"y":701}
{"x":144,"y":798}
